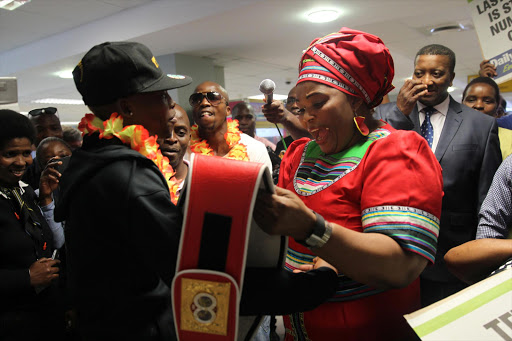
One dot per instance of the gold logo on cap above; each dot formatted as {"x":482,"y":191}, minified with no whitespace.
{"x":155,"y":62}
{"x":205,"y":306}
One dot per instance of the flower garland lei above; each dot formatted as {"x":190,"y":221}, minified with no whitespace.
{"x":137,"y":137}
{"x":237,"y":150}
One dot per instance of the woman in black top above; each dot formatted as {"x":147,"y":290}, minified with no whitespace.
{"x":31,"y":305}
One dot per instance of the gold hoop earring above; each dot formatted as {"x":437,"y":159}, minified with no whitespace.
{"x":360,"y":125}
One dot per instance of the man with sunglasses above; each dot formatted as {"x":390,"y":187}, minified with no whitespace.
{"x":210,"y":108}
{"x":47,"y":124}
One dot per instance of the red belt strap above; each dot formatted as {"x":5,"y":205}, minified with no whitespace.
{"x":220,"y":196}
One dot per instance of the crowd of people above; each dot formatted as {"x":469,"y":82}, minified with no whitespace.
{"x":388,"y":206}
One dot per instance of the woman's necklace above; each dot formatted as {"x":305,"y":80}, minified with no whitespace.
{"x":137,"y":137}
{"x":237,"y":150}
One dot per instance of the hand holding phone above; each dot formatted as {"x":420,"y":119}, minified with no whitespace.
{"x":64,"y":164}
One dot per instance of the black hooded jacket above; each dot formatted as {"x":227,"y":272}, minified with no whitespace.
{"x":122,"y":236}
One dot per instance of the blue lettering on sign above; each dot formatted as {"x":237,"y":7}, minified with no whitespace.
{"x":503,"y":63}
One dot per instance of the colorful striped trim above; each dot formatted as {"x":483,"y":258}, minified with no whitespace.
{"x":414,"y":229}
{"x":316,"y":67}
{"x":344,"y":72}
{"x":294,"y":259}
{"x":317,"y":172}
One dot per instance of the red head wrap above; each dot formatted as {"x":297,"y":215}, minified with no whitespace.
{"x":351,"y":61}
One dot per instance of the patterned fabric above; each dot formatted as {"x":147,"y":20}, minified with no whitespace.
{"x":351,"y":61}
{"x":495,"y":217}
{"x":414,"y":229}
{"x":426,"y":129}
{"x":318,"y":171}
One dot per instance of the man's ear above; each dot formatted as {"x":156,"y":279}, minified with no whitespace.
{"x":451,"y":80}
{"x":228,"y":110}
{"x":124,"y":108}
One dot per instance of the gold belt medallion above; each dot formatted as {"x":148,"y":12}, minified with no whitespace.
{"x":204,"y":306}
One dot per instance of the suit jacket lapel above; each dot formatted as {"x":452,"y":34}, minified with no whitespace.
{"x":451,"y":125}
{"x":415,"y":118}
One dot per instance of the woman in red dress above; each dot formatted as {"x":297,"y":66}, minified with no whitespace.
{"x":359,"y":195}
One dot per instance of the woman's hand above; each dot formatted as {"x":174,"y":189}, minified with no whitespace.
{"x":317,"y":263}
{"x":49,"y":181}
{"x":43,"y":271}
{"x":283,"y":213}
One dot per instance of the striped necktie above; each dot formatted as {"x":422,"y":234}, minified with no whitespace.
{"x":427,"y":131}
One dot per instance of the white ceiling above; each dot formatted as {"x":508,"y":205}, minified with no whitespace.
{"x":251,"y":39}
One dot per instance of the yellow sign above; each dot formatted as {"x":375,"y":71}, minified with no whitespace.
{"x":205,"y":306}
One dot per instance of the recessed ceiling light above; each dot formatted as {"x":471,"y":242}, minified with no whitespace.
{"x":11,"y":5}
{"x":65,"y":74}
{"x":451,"y":89}
{"x":323,"y":15}
{"x":451,"y":27}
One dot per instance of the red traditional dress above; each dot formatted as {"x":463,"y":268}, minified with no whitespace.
{"x":390,"y":183}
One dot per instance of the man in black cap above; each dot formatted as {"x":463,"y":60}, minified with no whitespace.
{"x":122,"y":230}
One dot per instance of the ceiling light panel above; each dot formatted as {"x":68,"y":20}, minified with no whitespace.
{"x":323,"y":15}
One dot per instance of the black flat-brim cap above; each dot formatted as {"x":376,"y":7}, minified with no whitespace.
{"x":114,"y":70}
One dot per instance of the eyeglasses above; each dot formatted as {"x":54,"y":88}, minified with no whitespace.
{"x":213,"y":97}
{"x":41,"y":111}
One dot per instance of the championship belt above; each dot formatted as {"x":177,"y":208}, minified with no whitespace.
{"x":218,"y":239}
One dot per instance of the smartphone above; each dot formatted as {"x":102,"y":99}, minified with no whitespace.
{"x":65,"y":162}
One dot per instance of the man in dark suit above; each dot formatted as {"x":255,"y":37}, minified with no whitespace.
{"x":466,"y":145}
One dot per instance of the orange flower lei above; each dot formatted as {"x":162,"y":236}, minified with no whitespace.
{"x":237,"y":150}
{"x":137,"y":137}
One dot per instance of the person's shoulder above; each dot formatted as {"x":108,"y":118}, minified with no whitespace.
{"x":505,"y":121}
{"x":298,"y":145}
{"x":385,"y":108}
{"x":251,"y":142}
{"x":390,"y":140}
